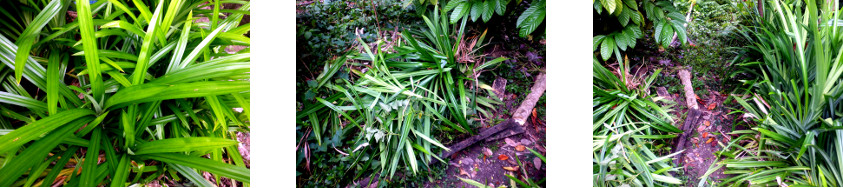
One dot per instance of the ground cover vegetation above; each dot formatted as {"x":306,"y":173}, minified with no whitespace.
{"x":382,"y":110}
{"x":123,"y":93}
{"x":779,"y":64}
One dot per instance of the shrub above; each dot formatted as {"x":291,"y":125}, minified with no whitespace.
{"x":665,"y":20}
{"x":135,"y":102}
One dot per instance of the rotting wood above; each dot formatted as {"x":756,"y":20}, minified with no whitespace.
{"x":474,"y":139}
{"x":512,"y":131}
{"x":536,"y":92}
{"x":694,"y":114}
{"x":521,"y":114}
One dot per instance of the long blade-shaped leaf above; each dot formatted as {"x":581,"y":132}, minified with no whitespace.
{"x":27,"y":133}
{"x":27,"y":38}
{"x":215,"y":167}
{"x":146,"y":49}
{"x":183,"y":145}
{"x":89,"y":43}
{"x":154,"y":92}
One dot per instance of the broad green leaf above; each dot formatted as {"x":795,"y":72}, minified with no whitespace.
{"x":607,"y":47}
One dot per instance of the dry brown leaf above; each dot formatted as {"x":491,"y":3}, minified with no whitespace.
{"x":462,"y":172}
{"x":520,"y":147}
{"x":700,"y":128}
{"x":511,"y":168}
{"x":537,"y":162}
{"x":510,"y":142}
{"x":502,"y":157}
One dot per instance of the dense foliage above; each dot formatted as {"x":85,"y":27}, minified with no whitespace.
{"x":664,"y":18}
{"x":124,"y":93}
{"x":796,"y":103}
{"x":328,"y":28}
{"x":527,"y":22}
{"x":397,"y":105}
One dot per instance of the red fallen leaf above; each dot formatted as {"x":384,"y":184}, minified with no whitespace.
{"x":534,"y":113}
{"x":713,"y":144}
{"x":502,"y":157}
{"x":705,"y":134}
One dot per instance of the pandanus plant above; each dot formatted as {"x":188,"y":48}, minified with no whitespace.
{"x":797,"y":103}
{"x":122,"y":93}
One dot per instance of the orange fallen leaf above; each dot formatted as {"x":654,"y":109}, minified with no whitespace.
{"x":534,"y":113}
{"x":519,"y":147}
{"x":705,"y":134}
{"x":511,"y":168}
{"x":711,"y":106}
{"x":709,"y":140}
{"x":707,"y":123}
{"x":502,"y":157}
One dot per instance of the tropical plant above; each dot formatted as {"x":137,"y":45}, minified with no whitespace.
{"x":627,"y":123}
{"x":666,"y":19}
{"x":327,"y":29}
{"x":796,"y":104}
{"x":397,"y":104}
{"x":527,"y":22}
{"x":100,"y":102}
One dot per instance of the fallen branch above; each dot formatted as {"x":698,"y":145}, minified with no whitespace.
{"x":519,"y":118}
{"x":694,"y":114}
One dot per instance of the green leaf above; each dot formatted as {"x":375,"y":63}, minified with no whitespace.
{"x":91,"y":158}
{"x":157,"y":91}
{"x":39,"y":150}
{"x":188,"y":144}
{"x":488,"y":10}
{"x":89,"y":43}
{"x":18,"y":100}
{"x":597,"y":39}
{"x":27,"y":133}
{"x":607,"y":47}
{"x":27,"y":38}
{"x":609,"y":5}
{"x":459,"y":12}
{"x":658,"y":32}
{"x":680,"y":32}
{"x":146,"y":50}
{"x":214,"y":167}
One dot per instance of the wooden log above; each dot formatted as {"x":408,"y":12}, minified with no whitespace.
{"x":519,"y":118}
{"x":523,"y":111}
{"x":693,"y":117}
{"x":474,"y":139}
{"x":507,"y":133}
